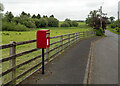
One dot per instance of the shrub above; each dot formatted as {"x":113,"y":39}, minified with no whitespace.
{"x":117,"y":29}
{"x":114,"y":24}
{"x":7,"y":26}
{"x":74,"y":24}
{"x":65,"y":24}
{"x":99,"y":32}
{"x":53,"y":22}
{"x":43,"y":22}
{"x":37,"y":22}
{"x":69,"y":22}
{"x":24,"y":20}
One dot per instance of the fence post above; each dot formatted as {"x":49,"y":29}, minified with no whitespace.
{"x":76,"y":36}
{"x":73,"y":39}
{"x":87,"y":34}
{"x":47,"y":54}
{"x":61,"y":39}
{"x":68,"y":39}
{"x":83,"y":35}
{"x":12,"y":62}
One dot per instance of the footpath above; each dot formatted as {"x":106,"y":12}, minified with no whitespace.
{"x":68,"y":68}
{"x":104,"y":68}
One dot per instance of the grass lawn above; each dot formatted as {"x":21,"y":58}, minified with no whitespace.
{"x":8,"y":36}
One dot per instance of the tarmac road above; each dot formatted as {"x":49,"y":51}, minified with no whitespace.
{"x":68,"y":68}
{"x":105,"y":60}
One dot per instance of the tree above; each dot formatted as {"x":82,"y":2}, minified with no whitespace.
{"x":37,"y":22}
{"x":28,"y":15}
{"x":45,"y":16}
{"x":52,"y":16}
{"x":43,"y":22}
{"x":112,"y":18}
{"x":69,"y":22}
{"x":9,"y":16}
{"x":34,"y":16}
{"x":65,"y":24}
{"x":53,"y":22}
{"x":38,"y":16}
{"x":23,"y":14}
{"x":94,"y":20}
{"x":74,"y":24}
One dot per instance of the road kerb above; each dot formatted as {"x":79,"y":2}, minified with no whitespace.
{"x":88,"y":71}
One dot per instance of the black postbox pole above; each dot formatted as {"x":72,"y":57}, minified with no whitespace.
{"x":42,"y":60}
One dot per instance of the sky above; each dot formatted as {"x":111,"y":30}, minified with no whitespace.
{"x":61,"y":9}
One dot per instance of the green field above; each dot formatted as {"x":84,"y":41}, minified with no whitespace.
{"x":8,"y":36}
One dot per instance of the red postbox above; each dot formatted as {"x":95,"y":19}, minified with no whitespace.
{"x":43,"y":38}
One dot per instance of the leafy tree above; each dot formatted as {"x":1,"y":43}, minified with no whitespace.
{"x":12,"y":26}
{"x":52,"y":16}
{"x":34,"y":16}
{"x":69,"y":22}
{"x":74,"y":24}
{"x":28,"y":15}
{"x":65,"y":24}
{"x":23,"y":14}
{"x":112,"y":18}
{"x":43,"y":22}
{"x":9,"y":16}
{"x":38,"y":16}
{"x":37,"y":22}
{"x":53,"y":22}
{"x":94,"y":20}
{"x":16,"y":20}
{"x":45,"y":16}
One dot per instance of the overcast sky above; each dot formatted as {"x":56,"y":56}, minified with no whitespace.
{"x":61,"y":9}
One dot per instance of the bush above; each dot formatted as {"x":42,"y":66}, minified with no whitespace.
{"x":24,"y":20}
{"x":65,"y":24}
{"x":53,"y":22}
{"x":74,"y":24}
{"x":117,"y":29}
{"x":37,"y":22}
{"x":7,"y":26}
{"x":99,"y":32}
{"x":69,"y":22}
{"x":114,"y":24}
{"x":43,"y":22}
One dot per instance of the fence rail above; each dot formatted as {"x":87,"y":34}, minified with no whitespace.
{"x":64,"y":42}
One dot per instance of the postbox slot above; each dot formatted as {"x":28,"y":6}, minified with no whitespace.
{"x":47,"y":35}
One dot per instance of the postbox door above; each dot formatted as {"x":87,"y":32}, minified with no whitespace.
{"x":48,"y":40}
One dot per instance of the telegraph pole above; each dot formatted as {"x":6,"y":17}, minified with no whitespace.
{"x":101,"y":16}
{"x":119,"y":11}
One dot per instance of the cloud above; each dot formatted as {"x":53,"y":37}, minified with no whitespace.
{"x":74,"y":9}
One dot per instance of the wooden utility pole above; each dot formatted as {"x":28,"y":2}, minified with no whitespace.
{"x":101,"y":16}
{"x":119,"y":11}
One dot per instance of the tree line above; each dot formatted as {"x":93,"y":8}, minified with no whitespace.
{"x":26,"y":21}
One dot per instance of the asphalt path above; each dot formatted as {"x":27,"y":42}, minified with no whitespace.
{"x":105,"y":60}
{"x":68,"y":68}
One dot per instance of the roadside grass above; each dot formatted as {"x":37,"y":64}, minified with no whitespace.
{"x":8,"y":36}
{"x":112,"y":30}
